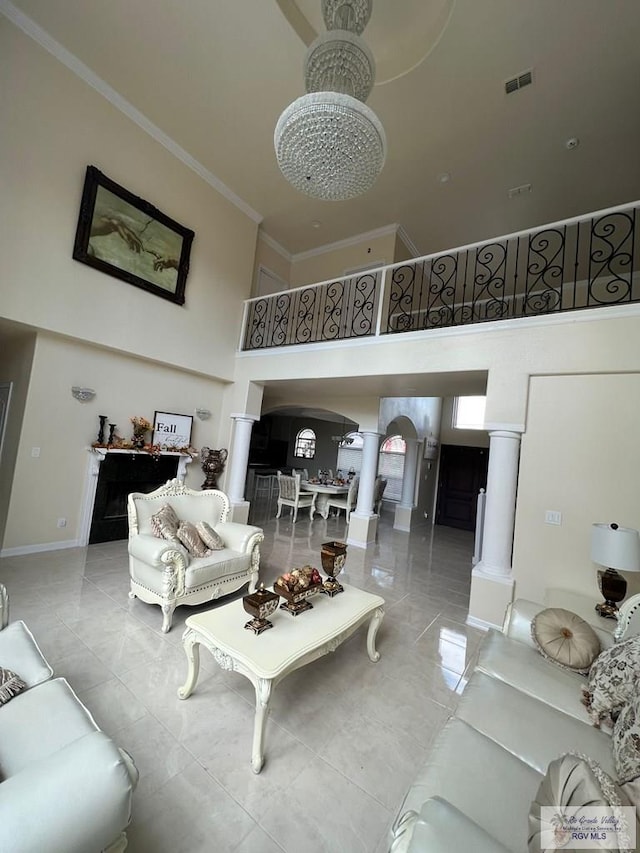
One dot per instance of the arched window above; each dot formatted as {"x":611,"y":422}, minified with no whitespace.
{"x":391,"y":465}
{"x":305,"y":446}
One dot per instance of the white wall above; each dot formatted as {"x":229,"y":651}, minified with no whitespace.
{"x":333,"y":264}
{"x":465,"y":437}
{"x":139,"y":352}
{"x":51,"y":486}
{"x":581,"y":456}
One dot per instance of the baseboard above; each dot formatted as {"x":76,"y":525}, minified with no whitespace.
{"x":36,"y":549}
{"x":482,"y":624}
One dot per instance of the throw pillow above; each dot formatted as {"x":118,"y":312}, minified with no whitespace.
{"x":566,"y":639}
{"x":10,"y":685}
{"x":574,"y":782}
{"x":209,"y":536}
{"x":165,"y":522}
{"x":612,"y":680}
{"x":626,"y":741}
{"x":189,"y":537}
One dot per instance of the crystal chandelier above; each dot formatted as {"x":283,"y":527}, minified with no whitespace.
{"x":329,"y":143}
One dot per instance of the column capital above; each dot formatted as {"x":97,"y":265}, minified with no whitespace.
{"x":502,"y":427}
{"x":239,"y":416}
{"x":505,"y":433}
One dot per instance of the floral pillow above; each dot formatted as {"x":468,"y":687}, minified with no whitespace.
{"x":10,"y":685}
{"x":191,"y":540}
{"x":165,"y":522}
{"x":626,"y":742}
{"x":613,"y":680}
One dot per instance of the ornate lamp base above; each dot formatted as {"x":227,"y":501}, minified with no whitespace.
{"x":614,"y":588}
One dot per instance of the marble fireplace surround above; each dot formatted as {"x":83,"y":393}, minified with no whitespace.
{"x":96,"y":456}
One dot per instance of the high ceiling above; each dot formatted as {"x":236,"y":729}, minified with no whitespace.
{"x":215,"y":74}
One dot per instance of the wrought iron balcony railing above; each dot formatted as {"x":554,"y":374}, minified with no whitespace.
{"x":586,"y":262}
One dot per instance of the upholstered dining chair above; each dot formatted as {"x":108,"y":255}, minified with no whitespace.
{"x":378,"y":490}
{"x":290,"y":494}
{"x":346,"y":502}
{"x":304,"y":473}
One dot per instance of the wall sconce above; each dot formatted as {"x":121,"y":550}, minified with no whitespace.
{"x":203,"y":414}
{"x":83,"y":394}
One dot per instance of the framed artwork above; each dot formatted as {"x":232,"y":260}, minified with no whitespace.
{"x":171,"y":430}
{"x":127,"y":237}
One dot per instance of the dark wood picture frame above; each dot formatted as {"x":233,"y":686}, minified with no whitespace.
{"x":126,"y":237}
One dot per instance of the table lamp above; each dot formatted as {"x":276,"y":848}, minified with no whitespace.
{"x":616,"y":548}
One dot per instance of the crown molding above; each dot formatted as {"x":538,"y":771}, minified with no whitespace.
{"x":275,"y":245}
{"x":42,"y":37}
{"x":411,"y":246}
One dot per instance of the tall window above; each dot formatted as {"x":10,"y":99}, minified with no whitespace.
{"x":305,"y":446}
{"x":391,"y":465}
{"x":468,"y":412}
{"x":350,"y":455}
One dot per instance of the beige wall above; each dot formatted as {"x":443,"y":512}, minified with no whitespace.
{"x":270,"y":259}
{"x":51,"y":486}
{"x":377,"y":251}
{"x":53,"y":126}
{"x":15,"y":366}
{"x":581,"y":456}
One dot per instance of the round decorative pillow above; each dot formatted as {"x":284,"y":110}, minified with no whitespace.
{"x":566,"y":639}
{"x":573,"y":783}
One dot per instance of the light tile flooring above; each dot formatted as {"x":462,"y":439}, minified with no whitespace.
{"x":345,"y":737}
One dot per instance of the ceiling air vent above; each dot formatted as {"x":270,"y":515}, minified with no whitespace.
{"x":518,"y":82}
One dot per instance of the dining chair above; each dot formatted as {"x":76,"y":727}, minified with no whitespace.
{"x":378,"y":490}
{"x":346,"y":502}
{"x":290,"y":494}
{"x":304,"y":473}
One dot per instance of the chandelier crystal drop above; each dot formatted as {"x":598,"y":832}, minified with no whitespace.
{"x":328,"y":143}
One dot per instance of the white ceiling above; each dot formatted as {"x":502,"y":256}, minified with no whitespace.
{"x":215,"y":74}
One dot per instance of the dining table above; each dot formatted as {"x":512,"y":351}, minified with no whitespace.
{"x":323,"y":493}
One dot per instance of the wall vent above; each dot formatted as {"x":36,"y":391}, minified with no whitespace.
{"x":518,"y":82}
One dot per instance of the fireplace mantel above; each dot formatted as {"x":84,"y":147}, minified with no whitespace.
{"x":96,"y":456}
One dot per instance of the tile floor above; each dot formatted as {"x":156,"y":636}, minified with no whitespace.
{"x":345,"y":737}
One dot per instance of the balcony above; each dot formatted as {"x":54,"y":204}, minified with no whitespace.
{"x":581,"y":263}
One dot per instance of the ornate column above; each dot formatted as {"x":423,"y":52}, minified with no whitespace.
{"x":404,"y":510}
{"x":364,"y":523}
{"x":239,"y":457}
{"x":492,"y":581}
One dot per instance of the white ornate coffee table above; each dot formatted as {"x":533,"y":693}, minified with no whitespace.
{"x":265,"y":659}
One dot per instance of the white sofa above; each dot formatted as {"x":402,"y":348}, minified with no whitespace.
{"x":64,"y":785}
{"x":162,"y":571}
{"x":517,"y":714}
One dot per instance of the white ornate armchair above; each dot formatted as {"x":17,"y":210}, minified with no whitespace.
{"x":163,"y":572}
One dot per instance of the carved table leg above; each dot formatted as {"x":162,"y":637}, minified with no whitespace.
{"x":376,"y":621}
{"x":191,"y":646}
{"x":263,"y":696}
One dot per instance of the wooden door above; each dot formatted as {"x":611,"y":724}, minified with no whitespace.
{"x":463,"y":472}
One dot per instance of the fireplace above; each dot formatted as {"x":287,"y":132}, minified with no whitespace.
{"x":112,"y":476}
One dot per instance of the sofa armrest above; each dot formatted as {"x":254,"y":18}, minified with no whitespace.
{"x":239,"y":537}
{"x":75,"y":800}
{"x":518,"y":618}
{"x":441,"y":828}
{"x":156,"y":552}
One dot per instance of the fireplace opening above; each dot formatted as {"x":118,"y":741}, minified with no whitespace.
{"x":119,"y":475}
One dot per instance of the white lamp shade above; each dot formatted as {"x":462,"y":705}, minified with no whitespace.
{"x":615,"y":548}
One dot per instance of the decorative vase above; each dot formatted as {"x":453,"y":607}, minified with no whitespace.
{"x":334,"y":556}
{"x":103,"y":422}
{"x":260,"y":604}
{"x":138,"y":440}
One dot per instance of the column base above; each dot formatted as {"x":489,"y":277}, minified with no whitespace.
{"x":239,"y":512}
{"x":490,"y":596}
{"x":362,"y":530}
{"x":402,"y":520}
